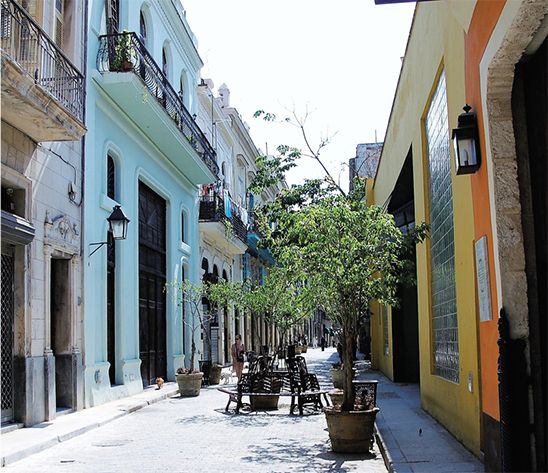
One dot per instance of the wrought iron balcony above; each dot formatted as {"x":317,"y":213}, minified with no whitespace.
{"x":124,"y":52}
{"x":212,"y":209}
{"x":39,"y":57}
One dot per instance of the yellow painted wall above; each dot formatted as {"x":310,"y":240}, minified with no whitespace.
{"x":436,"y":44}
{"x":379,"y":359}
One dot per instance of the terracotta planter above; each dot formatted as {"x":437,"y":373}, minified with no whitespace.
{"x":351,"y":432}
{"x":298,"y":350}
{"x":337,"y":375}
{"x":264,"y":403}
{"x":215,"y":374}
{"x":189,"y":384}
{"x":304,"y":348}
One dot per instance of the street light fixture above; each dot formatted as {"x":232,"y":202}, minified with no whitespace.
{"x":117,"y":225}
{"x":466,"y":142}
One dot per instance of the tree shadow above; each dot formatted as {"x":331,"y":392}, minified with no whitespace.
{"x":302,"y":456}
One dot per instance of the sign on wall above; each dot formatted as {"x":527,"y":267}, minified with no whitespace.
{"x":482,"y":277}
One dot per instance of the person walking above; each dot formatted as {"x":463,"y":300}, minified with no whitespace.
{"x":237,"y":352}
{"x":322,"y":343}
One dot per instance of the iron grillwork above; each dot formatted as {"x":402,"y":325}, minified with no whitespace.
{"x":34,"y":51}
{"x":125,"y":52}
{"x":7,"y":323}
{"x":212,"y":209}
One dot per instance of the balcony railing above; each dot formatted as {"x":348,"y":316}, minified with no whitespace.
{"x":212,"y":209}
{"x":24,"y":42}
{"x":124,"y":52}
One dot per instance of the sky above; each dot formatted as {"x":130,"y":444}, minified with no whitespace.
{"x":334,"y":62}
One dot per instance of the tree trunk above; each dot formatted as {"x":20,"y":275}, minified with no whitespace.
{"x":348,"y":387}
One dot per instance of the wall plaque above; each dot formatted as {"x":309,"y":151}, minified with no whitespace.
{"x":482,"y":277}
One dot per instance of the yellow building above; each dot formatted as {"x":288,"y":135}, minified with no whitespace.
{"x":484,"y":264}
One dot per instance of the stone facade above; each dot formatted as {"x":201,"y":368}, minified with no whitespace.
{"x":42,"y":190}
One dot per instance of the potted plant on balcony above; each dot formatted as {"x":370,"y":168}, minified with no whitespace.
{"x":124,"y":57}
{"x":350,"y":255}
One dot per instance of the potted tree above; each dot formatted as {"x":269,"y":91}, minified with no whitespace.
{"x":349,"y":253}
{"x":189,"y":379}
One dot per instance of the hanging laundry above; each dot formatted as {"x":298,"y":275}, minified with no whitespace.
{"x":227,"y":201}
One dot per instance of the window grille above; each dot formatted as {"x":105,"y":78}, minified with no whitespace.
{"x":7,"y":329}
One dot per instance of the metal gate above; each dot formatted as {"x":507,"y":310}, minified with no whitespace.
{"x":152,"y":279}
{"x":7,"y":328}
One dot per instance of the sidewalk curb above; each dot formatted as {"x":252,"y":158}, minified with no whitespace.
{"x":384,"y":450}
{"x":121,"y":411}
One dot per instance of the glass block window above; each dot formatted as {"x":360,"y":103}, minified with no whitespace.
{"x":385,"y":338}
{"x":442,"y":248}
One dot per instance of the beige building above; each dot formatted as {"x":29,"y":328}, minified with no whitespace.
{"x":43,"y":49}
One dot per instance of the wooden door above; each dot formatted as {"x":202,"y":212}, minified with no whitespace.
{"x":152,"y":279}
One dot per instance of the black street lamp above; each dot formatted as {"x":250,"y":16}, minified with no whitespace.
{"x":117,"y":225}
{"x":466,"y":142}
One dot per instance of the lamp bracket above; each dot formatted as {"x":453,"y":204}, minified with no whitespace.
{"x":98,"y":245}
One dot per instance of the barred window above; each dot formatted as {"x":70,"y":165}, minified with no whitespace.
{"x":442,"y":248}
{"x":111,"y":178}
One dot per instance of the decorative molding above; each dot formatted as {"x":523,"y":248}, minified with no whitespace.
{"x":62,"y":233}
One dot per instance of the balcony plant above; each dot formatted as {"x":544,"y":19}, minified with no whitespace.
{"x":349,"y":253}
{"x":125,"y":55}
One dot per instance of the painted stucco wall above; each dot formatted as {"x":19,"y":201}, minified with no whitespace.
{"x":136,"y":159}
{"x":437,"y":44}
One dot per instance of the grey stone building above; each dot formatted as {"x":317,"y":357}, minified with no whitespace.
{"x":42,"y":48}
{"x":365,"y":162}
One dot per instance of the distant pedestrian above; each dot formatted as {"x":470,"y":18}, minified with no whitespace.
{"x":322,"y":343}
{"x":315,"y":343}
{"x":237,"y":352}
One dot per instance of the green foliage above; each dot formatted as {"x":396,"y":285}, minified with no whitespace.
{"x":284,"y":300}
{"x":348,"y":253}
{"x":124,"y":52}
{"x":190,"y":295}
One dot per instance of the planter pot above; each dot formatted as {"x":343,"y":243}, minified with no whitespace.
{"x":351,"y":432}
{"x":336,"y":396}
{"x":264,"y":403}
{"x":298,"y":350}
{"x":215,"y":374}
{"x":338,"y":378}
{"x":189,"y":384}
{"x":304,"y":348}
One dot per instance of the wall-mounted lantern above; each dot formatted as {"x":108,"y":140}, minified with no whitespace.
{"x":117,"y":225}
{"x":466,"y":142}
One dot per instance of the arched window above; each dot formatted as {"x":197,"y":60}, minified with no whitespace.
{"x":184,"y":227}
{"x":205,"y":267}
{"x":111,"y":177}
{"x":165,"y":68}
{"x":143,"y":28}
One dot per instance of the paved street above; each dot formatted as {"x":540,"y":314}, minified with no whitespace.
{"x":195,"y":434}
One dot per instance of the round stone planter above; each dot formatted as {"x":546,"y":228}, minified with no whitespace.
{"x":215,"y":374}
{"x":189,"y":384}
{"x":337,"y":375}
{"x":264,"y":403}
{"x":351,"y":432}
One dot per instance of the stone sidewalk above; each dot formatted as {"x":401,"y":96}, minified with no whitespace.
{"x":166,"y":432}
{"x":185,"y":434}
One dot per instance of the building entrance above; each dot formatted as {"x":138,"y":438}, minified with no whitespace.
{"x":152,"y":279}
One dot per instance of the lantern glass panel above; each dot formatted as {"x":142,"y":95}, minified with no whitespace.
{"x":118,"y":229}
{"x":467,"y":152}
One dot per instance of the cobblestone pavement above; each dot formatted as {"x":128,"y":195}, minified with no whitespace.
{"x":195,"y":434}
